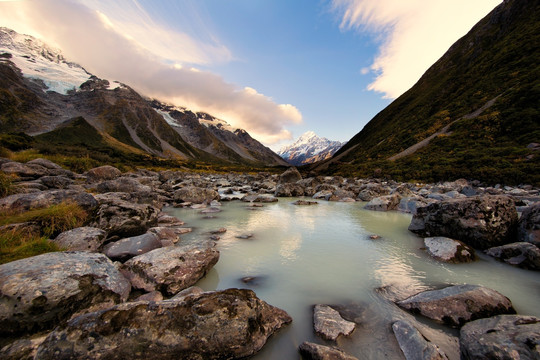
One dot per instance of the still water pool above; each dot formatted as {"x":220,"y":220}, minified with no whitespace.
{"x":323,"y":254}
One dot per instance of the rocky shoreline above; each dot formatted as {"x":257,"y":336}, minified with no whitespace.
{"x":123,"y":287}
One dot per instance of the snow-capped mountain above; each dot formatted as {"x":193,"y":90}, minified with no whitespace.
{"x":309,"y":148}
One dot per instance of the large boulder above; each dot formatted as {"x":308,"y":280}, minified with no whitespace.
{"x":196,"y":195}
{"x":384,"y":203}
{"x":522,"y":254}
{"x":42,"y":199}
{"x":529,"y":225}
{"x":501,"y":337}
{"x":123,"y":184}
{"x":41,"y":292}
{"x":289,"y":190}
{"x":23,"y":170}
{"x":81,"y":239}
{"x":414,"y":345}
{"x":56,"y":182}
{"x":449,"y":250}
{"x":291,"y":175}
{"x":456,"y":305}
{"x":228,"y":324}
{"x":125,"y":249}
{"x":312,"y":351}
{"x":171,"y":269}
{"x":329,"y":324}
{"x":481,"y":221}
{"x":102,"y":173}
{"x":124,"y":218}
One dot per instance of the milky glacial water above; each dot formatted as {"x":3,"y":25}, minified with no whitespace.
{"x":300,"y":256}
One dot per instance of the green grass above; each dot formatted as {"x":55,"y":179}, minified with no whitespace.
{"x":6,"y":184}
{"x":15,"y":245}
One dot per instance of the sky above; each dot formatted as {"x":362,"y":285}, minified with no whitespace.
{"x":276,"y":68}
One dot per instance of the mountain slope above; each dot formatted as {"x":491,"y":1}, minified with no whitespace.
{"x":309,"y":148}
{"x":497,"y":63}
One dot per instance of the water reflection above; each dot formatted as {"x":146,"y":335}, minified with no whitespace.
{"x":289,"y":248}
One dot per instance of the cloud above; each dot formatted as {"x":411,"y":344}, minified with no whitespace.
{"x":413,"y":34}
{"x":120,"y":41}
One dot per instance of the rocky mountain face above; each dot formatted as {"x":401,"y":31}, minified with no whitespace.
{"x":40,"y":91}
{"x":309,"y":148}
{"x":473,"y":114}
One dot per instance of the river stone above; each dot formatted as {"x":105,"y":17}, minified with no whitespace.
{"x":501,"y":337}
{"x":42,"y":199}
{"x":102,"y":173}
{"x":413,"y":344}
{"x":522,"y":254}
{"x":42,"y":291}
{"x":81,"y":239}
{"x":166,"y":233}
{"x":228,"y":324}
{"x":291,"y":175}
{"x":529,"y":225}
{"x":481,"y":221}
{"x":329,"y":324}
{"x":449,"y":250}
{"x":125,"y":249}
{"x":196,"y":195}
{"x":123,"y":184}
{"x":456,"y":305}
{"x":123,"y":218}
{"x":384,"y":203}
{"x":305,"y":202}
{"x":171,"y":269}
{"x":289,"y":190}
{"x":312,"y":351}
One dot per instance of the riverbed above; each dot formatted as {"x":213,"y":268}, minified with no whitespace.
{"x":299,"y":256}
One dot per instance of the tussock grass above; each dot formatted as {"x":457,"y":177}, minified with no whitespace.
{"x":6,"y":184}
{"x":20,"y":244}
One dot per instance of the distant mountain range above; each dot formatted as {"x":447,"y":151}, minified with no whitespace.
{"x":42,"y":92}
{"x":309,"y":148}
{"x":474,"y":114}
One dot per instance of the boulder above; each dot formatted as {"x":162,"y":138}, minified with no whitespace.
{"x":412,"y":203}
{"x":125,"y":249}
{"x":289,"y":190}
{"x":171,"y":269}
{"x":102,"y":173}
{"x":449,"y":250}
{"x":323,"y":195}
{"x":291,"y":175}
{"x":414,"y":345}
{"x":305,"y":202}
{"x":42,"y":199}
{"x":456,"y":305}
{"x":123,"y":218}
{"x":340,"y":195}
{"x":23,"y":170}
{"x":481,"y":221}
{"x":43,"y":291}
{"x":529,"y":225}
{"x":521,"y":254}
{"x":196,"y":195}
{"x":384,"y":203}
{"x":226,"y":324}
{"x":56,"y":182}
{"x":22,"y":349}
{"x":81,"y":239}
{"x":501,"y":337}
{"x":312,"y":351}
{"x":123,"y":184}
{"x":166,"y":233}
{"x":329,"y":324}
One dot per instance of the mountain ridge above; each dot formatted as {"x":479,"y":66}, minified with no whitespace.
{"x":309,"y":148}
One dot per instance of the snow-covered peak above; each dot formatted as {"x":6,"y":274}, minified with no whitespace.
{"x":309,"y":148}
{"x":39,"y":61}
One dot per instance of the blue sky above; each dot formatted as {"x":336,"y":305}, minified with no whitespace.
{"x":276,"y":68}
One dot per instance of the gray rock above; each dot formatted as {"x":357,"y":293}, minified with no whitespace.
{"x":501,"y":337}
{"x":521,"y":254}
{"x":341,"y":195}
{"x":41,"y":292}
{"x":289,"y":190}
{"x":22,"y":349}
{"x":125,"y":249}
{"x":260,"y":198}
{"x":166,"y":233}
{"x":167,"y":220}
{"x":151,"y":296}
{"x":226,"y":324}
{"x":171,"y":269}
{"x":123,"y":184}
{"x":192,"y":290}
{"x":329,"y":324}
{"x":312,"y":351}
{"x":414,"y":345}
{"x":481,"y":222}
{"x":412,"y":203}
{"x":305,"y":202}
{"x":384,"y":203}
{"x":323,"y":194}
{"x":196,"y":195}
{"x":102,"y":173}
{"x":56,"y":182}
{"x":529,"y":225}
{"x":23,"y":170}
{"x":449,"y":250}
{"x":81,"y":239}
{"x":456,"y":305}
{"x":42,"y":199}
{"x":291,"y":175}
{"x":47,"y":164}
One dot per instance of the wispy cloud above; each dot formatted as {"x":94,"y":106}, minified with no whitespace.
{"x":413,"y":34}
{"x":119,"y":40}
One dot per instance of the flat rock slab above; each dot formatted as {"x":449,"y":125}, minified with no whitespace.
{"x":125,"y":249}
{"x":414,"y":345}
{"x":456,"y":305}
{"x":81,"y":239}
{"x":41,"y":292}
{"x":226,"y":324}
{"x":171,"y":269}
{"x":449,"y":250}
{"x":329,"y":324}
{"x":312,"y":351}
{"x":501,"y":337}
{"x":521,"y":254}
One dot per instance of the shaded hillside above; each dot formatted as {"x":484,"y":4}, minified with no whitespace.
{"x":497,"y":63}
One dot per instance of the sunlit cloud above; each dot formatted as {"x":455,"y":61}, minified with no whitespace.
{"x":413,"y":34}
{"x":118,"y":40}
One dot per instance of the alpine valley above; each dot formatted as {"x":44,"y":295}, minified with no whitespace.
{"x":309,"y":148}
